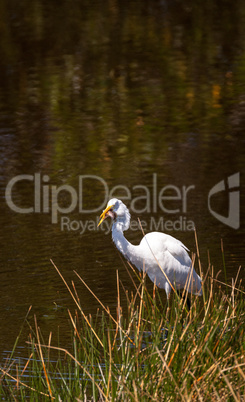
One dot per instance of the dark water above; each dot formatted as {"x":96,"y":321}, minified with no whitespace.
{"x":93,"y":95}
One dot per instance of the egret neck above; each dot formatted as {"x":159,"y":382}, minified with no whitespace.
{"x":122,"y":244}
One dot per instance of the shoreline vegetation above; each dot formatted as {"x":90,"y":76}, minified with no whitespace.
{"x":153,"y":351}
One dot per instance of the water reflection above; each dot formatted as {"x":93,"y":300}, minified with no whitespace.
{"x":121,"y":90}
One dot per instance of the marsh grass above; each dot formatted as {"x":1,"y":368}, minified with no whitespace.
{"x":151,"y":351}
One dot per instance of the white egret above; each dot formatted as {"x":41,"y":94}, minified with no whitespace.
{"x":164,"y":258}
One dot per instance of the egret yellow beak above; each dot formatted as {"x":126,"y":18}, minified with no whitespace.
{"x":103,"y":215}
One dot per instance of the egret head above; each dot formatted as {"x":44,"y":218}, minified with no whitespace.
{"x":118,"y":212}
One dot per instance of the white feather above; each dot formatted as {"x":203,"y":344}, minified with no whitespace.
{"x":157,"y":252}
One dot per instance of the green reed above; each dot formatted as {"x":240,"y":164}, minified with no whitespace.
{"x":151,"y":351}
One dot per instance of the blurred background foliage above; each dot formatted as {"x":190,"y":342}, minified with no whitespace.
{"x":122,"y":78}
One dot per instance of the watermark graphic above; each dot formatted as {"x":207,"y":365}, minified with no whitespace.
{"x":232,"y":185}
{"x":169,"y":200}
{"x":159,"y":225}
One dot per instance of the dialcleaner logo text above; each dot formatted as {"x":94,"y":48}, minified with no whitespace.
{"x":169,"y":199}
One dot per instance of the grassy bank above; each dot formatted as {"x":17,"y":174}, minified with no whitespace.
{"x":153,"y":351}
